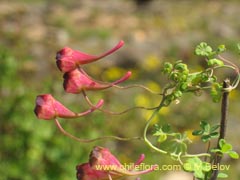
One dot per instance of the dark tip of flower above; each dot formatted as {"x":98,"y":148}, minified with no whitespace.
{"x":66,"y":51}
{"x":80,"y":171}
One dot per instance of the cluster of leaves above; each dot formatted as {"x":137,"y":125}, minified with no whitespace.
{"x":182,"y":81}
{"x":197,"y":166}
{"x":176,"y":142}
{"x":202,"y":169}
{"x":225,"y":148}
{"x":206,"y":132}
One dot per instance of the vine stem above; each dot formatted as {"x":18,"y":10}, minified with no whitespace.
{"x":161,"y":105}
{"x":146,"y":128}
{"x":223,"y":126}
{"x":150,"y":120}
{"x":94,"y":139}
{"x":139,"y":86}
{"x":114,"y":113}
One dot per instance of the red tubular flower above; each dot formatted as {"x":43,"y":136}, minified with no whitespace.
{"x":77,"y":80}
{"x":85,"y":172}
{"x":102,"y":165}
{"x":48,"y":108}
{"x":69,"y":59}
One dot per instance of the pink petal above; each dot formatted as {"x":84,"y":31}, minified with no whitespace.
{"x":77,"y":80}
{"x":44,"y":108}
{"x":102,"y":156}
{"x":48,"y":108}
{"x":62,"y":111}
{"x":85,"y":172}
{"x":68,"y":59}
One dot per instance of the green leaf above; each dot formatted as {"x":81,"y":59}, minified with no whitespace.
{"x":214,"y":134}
{"x":206,"y":167}
{"x":233,"y":154}
{"x":197,"y":132}
{"x":199,"y":174}
{"x":166,"y":128}
{"x":197,"y":166}
{"x":215,"y":62}
{"x":188,"y":167}
{"x":238,"y":46}
{"x":205,"y":126}
{"x":215,"y":150}
{"x":162,"y":138}
{"x":183,"y":86}
{"x":203,"y":49}
{"x":167,"y":68}
{"x":158,"y":133}
{"x":177,"y":94}
{"x":221,"y":48}
{"x":206,"y":138}
{"x":226,"y":147}
{"x":216,"y":92}
{"x":213,"y":128}
{"x":222,"y":142}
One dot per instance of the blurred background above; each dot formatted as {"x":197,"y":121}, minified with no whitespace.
{"x":154,"y":31}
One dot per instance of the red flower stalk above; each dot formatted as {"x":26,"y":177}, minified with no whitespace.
{"x":103,"y":165}
{"x":69,"y":59}
{"x":48,"y":108}
{"x":77,"y":80}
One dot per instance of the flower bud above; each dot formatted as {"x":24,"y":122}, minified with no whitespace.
{"x":103,"y":164}
{"x":77,"y":80}
{"x":85,"y":172}
{"x":68,"y":59}
{"x":48,"y":108}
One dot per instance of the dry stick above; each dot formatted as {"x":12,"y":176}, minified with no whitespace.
{"x":223,"y":126}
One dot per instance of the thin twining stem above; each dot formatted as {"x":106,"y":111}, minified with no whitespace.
{"x":186,"y":155}
{"x":93,"y":108}
{"x":236,"y":80}
{"x":162,"y":104}
{"x":148,"y":123}
{"x":94,"y":139}
{"x":145,"y":133}
{"x":114,"y":113}
{"x":139,"y":86}
{"x":229,"y":62}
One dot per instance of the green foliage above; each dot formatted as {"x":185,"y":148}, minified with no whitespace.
{"x":178,"y":145}
{"x":161,"y":132}
{"x":177,"y":142}
{"x":238,"y":46}
{"x":216,"y":92}
{"x":203,"y":49}
{"x":197,"y":166}
{"x":182,"y":81}
{"x":206,"y":132}
{"x":226,"y":148}
{"x":215,"y":62}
